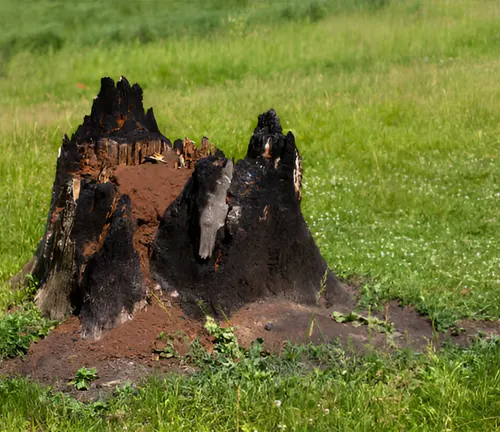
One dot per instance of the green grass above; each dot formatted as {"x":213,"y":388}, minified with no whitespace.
{"x":50,"y":25}
{"x":307,"y":388}
{"x":395,"y":109}
{"x":21,"y":323}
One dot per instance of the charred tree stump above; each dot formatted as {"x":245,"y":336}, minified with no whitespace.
{"x":234,"y":234}
{"x":86,"y":262}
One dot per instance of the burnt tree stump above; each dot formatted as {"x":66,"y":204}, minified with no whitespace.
{"x":234,"y":233}
{"x":86,"y":262}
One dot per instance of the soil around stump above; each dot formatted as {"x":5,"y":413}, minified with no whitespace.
{"x":127,"y":353}
{"x":151,"y":188}
{"x":124,"y":353}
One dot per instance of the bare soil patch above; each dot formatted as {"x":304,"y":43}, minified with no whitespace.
{"x":127,"y":352}
{"x":152,"y":188}
{"x":465,"y":330}
{"x":278,"y":321}
{"x":123,"y":353}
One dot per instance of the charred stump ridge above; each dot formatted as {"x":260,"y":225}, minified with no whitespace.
{"x":233,"y":234}
{"x":236,"y":233}
{"x":86,"y":261}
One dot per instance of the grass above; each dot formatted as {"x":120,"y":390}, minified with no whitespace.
{"x":307,"y":388}
{"x":21,"y":322}
{"x":51,"y":25}
{"x":395,"y":109}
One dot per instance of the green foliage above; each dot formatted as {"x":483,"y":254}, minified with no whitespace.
{"x":224,"y":339}
{"x":316,"y":388}
{"x":17,"y":296}
{"x":312,"y":11}
{"x":358,"y":320}
{"x":21,"y":327}
{"x":23,"y":323}
{"x":83,"y":378}
{"x":113,"y":22}
{"x":168,"y":350}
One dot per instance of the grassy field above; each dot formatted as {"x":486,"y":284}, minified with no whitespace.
{"x":395,"y":109}
{"x":307,"y":389}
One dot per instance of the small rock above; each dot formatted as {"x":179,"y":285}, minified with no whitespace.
{"x":269,"y":326}
{"x":111,"y":383}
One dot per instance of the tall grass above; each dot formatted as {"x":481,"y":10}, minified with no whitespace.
{"x":48,"y":25}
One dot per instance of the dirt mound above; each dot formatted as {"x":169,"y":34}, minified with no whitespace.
{"x":152,"y":188}
{"x":128,"y":352}
{"x":123,"y":353}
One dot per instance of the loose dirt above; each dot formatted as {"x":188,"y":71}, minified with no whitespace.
{"x":152,"y":188}
{"x":279,"y":321}
{"x":127,"y":353}
{"x":123,"y":354}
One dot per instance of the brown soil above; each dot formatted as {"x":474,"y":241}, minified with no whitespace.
{"x":123,"y":353}
{"x":127,"y":352}
{"x":465,"y":330}
{"x":152,"y":188}
{"x":279,"y":321}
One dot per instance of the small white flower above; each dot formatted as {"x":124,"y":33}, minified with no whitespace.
{"x":277,"y":403}
{"x":326,"y":411}
{"x":281,"y":427}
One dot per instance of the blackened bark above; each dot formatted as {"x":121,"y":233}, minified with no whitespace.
{"x":234,"y":235}
{"x":86,"y":262}
{"x":264,"y":247}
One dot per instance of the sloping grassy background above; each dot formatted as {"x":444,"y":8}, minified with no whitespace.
{"x":396,"y":113}
{"x":394,"y":106}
